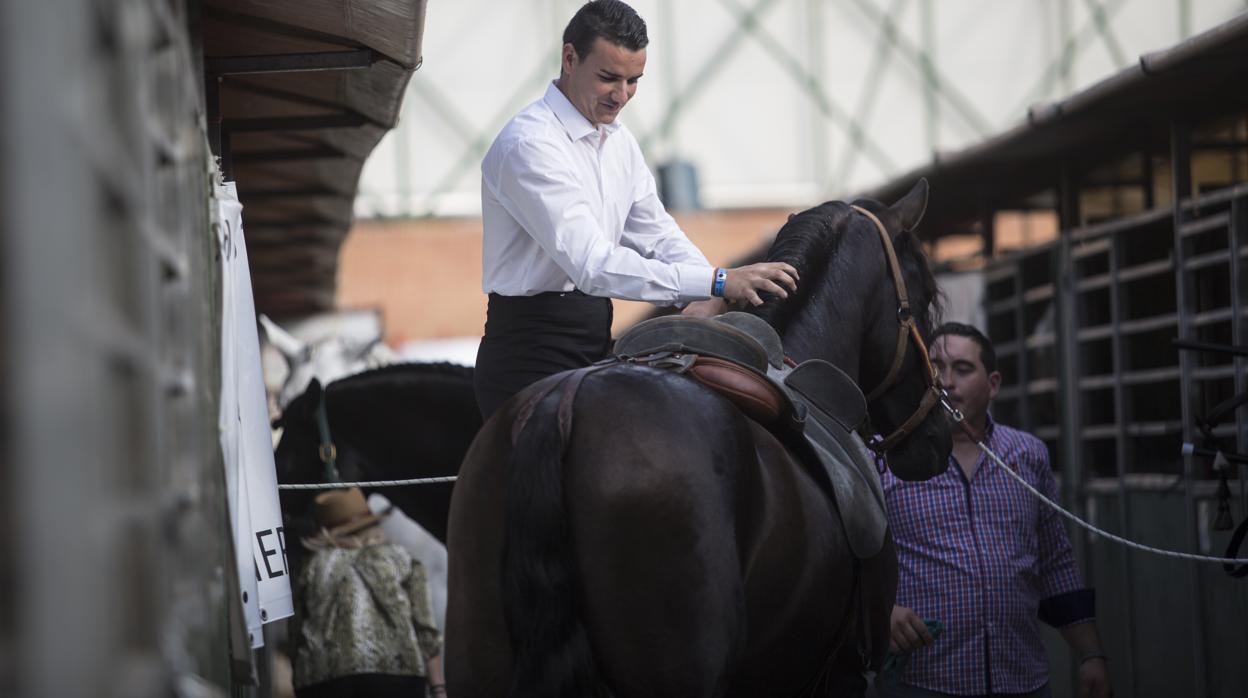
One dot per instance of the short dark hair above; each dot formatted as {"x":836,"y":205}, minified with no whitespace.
{"x":987,"y":355}
{"x":610,"y":19}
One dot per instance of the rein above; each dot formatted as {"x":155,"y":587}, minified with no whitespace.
{"x":907,"y":333}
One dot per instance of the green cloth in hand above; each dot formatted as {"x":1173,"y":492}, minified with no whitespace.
{"x":895,"y":664}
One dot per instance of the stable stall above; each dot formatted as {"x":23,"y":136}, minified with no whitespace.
{"x":1147,"y":173}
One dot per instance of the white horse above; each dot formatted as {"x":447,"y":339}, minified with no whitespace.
{"x":327,"y":360}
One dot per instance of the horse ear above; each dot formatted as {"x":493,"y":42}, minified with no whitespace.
{"x":291,"y":347}
{"x":361,"y":351}
{"x":911,"y":207}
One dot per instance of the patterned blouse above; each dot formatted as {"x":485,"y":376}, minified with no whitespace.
{"x":362,"y":610}
{"x":988,"y":559}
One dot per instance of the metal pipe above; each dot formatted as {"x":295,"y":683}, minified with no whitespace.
{"x":1239,"y":333}
{"x":930,"y":105}
{"x":1181,"y":172}
{"x":1123,"y":452}
{"x":1067,"y":347}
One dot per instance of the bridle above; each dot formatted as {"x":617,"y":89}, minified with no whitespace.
{"x":326,"y":449}
{"x":907,"y":333}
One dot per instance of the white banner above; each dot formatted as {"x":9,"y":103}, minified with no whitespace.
{"x":251,"y":478}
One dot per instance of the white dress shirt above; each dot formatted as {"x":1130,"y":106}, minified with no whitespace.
{"x":566,"y":205}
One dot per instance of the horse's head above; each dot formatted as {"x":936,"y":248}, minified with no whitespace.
{"x":300,"y":456}
{"x":296,"y":454}
{"x":296,"y":461}
{"x":905,"y":407}
{"x":848,"y":311}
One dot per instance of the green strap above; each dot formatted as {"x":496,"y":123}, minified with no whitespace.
{"x":327,"y":451}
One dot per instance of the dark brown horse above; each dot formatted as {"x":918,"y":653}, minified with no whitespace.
{"x":670,"y":546}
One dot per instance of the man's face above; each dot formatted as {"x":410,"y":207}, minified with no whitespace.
{"x":962,"y":372}
{"x":601,"y":83}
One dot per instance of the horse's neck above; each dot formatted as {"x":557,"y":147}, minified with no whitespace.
{"x":831,"y":325}
{"x":405,"y":406}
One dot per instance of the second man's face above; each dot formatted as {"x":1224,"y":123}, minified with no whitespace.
{"x":601,"y":83}
{"x":971,"y":387}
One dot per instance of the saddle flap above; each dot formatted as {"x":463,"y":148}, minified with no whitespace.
{"x":855,"y":486}
{"x":835,"y":407}
{"x":749,"y":391}
{"x":829,"y":389}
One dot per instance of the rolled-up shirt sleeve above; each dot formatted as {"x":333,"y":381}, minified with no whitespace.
{"x":548,"y":200}
{"x":1063,"y":598}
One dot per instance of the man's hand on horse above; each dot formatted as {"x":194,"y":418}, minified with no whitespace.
{"x":907,"y":631}
{"x":745,"y":283}
{"x":707,"y":308}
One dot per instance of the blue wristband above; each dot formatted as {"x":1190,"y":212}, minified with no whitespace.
{"x":721,"y":277}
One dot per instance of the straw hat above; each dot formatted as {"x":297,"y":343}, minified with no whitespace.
{"x":343,"y":512}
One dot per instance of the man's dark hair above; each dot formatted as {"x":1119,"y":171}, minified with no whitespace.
{"x":987,"y":355}
{"x":612,"y":20}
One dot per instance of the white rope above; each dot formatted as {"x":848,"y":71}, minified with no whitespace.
{"x":1117,"y":539}
{"x":374,"y":483}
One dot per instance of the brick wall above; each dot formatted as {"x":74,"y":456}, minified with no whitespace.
{"x":425,"y":274}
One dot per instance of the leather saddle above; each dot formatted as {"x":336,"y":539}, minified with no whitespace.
{"x":815,"y":408}
{"x":717,"y":354}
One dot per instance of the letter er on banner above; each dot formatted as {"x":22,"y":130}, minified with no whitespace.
{"x":246,"y":441}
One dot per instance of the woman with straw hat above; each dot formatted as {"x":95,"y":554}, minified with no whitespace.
{"x":364,"y":621}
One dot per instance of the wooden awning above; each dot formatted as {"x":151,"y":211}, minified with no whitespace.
{"x":299,"y":93}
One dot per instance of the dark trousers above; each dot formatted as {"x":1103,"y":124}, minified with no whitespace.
{"x":366,"y":686}
{"x":907,"y":691}
{"x":530,"y":337}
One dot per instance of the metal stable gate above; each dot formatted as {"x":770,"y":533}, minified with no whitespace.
{"x":1083,"y":328}
{"x":113,"y":574}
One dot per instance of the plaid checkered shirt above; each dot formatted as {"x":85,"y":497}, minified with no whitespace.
{"x":987,"y":559}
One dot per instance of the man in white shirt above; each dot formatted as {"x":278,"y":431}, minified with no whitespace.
{"x":572,"y":219}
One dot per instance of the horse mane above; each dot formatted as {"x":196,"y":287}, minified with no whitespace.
{"x":807,"y":242}
{"x":914,"y":264}
{"x":390,"y":375}
{"x":405,"y":371}
{"x":810,"y":239}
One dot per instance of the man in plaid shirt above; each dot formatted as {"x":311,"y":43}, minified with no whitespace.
{"x":979,"y":553}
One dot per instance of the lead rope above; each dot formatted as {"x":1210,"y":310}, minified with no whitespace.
{"x":370,"y":483}
{"x":960,"y":420}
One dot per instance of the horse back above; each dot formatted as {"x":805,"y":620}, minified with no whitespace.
{"x":715,"y":501}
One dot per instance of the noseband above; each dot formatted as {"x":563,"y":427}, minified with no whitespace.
{"x":907,"y":333}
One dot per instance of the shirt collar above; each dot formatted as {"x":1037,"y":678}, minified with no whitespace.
{"x":989,"y":426}
{"x":573,"y":121}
